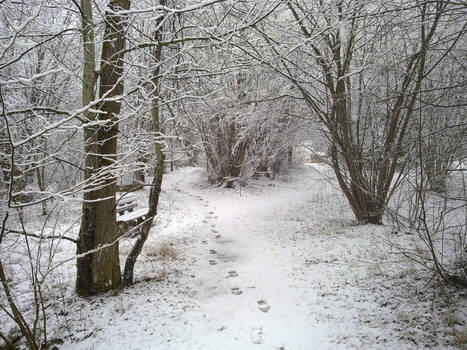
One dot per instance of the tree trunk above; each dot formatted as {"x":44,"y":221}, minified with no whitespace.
{"x":290,"y":155}
{"x":146,"y":226}
{"x":100,"y":271}
{"x":84,"y":285}
{"x":159,"y":172}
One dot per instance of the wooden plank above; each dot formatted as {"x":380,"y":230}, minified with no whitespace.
{"x":127,"y":207}
{"x":133,"y":215}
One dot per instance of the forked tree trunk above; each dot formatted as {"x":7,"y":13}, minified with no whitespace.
{"x":224,"y":152}
{"x":365,"y":179}
{"x":99,"y":271}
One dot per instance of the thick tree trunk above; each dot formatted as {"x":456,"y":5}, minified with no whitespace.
{"x":84,"y":284}
{"x":100,"y":271}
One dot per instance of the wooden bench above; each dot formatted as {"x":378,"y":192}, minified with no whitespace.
{"x":125,"y":203}
{"x":128,"y":217}
{"x":130,"y":223}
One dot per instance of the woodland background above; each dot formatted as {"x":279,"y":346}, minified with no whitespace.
{"x":101,"y":98}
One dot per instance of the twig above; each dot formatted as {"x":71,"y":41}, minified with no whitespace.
{"x":42,"y":236}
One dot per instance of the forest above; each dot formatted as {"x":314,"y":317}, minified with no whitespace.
{"x":233,"y":174}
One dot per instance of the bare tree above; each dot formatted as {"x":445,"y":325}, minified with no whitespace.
{"x":159,"y":171}
{"x":361,"y":80}
{"x":33,"y":123}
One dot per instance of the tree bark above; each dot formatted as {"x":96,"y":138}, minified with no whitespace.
{"x":84,"y":284}
{"x":100,"y":271}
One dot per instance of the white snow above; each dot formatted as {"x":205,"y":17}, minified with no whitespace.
{"x":276,"y":265}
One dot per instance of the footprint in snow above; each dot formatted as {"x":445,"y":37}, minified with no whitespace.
{"x":257,"y":335}
{"x":211,"y":212}
{"x":236,"y":291}
{"x":217,"y":236}
{"x":263,"y":305}
{"x":232,"y":273}
{"x":212,"y":251}
{"x":212,"y":262}
{"x":214,"y":231}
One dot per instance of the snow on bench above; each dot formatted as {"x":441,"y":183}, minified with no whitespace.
{"x":125,"y":203}
{"x":127,"y":217}
{"x":133,"y":214}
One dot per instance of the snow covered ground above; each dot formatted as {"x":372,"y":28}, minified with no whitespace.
{"x":276,"y":265}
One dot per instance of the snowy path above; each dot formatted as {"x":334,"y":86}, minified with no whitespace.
{"x":270,"y":268}
{"x":247,"y":288}
{"x":250,"y":286}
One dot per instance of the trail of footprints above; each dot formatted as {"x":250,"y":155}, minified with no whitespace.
{"x":262,"y":304}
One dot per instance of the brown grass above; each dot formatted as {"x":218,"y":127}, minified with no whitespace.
{"x":460,"y":340}
{"x":164,"y":251}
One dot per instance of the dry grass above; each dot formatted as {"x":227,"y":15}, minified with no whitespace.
{"x":164,"y":251}
{"x":460,"y":340}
